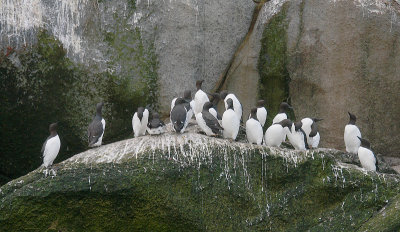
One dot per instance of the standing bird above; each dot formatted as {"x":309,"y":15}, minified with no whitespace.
{"x":51,"y":146}
{"x":351,"y":132}
{"x":237,"y":106}
{"x":367,"y":158}
{"x":155,"y":125}
{"x":297,"y":136}
{"x":179,"y":115}
{"x":261,"y":112}
{"x":276,"y":133}
{"x":96,"y":127}
{"x":199,"y":98}
{"x":208,"y":122}
{"x":230,"y":121}
{"x":213,"y":110}
{"x":282,"y":112}
{"x":311,"y":129}
{"x":254,"y":129}
{"x":139,"y":122}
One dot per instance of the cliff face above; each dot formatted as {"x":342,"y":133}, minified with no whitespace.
{"x":325,"y":58}
{"x":192,"y":182}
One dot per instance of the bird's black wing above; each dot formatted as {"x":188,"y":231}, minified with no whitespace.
{"x":95,"y":130}
{"x":212,"y":122}
{"x":304,"y":138}
{"x":314,"y":129}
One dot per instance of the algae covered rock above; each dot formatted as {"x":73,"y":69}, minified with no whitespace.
{"x":191,"y":182}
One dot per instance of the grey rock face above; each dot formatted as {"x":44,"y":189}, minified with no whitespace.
{"x":344,"y":56}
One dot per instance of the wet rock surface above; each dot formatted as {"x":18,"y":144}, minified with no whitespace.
{"x":192,"y":182}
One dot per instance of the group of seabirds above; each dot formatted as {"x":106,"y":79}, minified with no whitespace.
{"x":302,"y":135}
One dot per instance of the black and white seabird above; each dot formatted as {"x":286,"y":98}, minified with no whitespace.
{"x":254,"y":129}
{"x":297,"y":137}
{"x":139,"y":122}
{"x":351,"y":132}
{"x":179,"y":115}
{"x":310,"y":127}
{"x":213,"y":110}
{"x":367,"y":158}
{"x":230,"y":121}
{"x":237,"y":106}
{"x":96,"y":128}
{"x":276,"y":134}
{"x":155,"y":125}
{"x":282,"y":113}
{"x":51,"y":146}
{"x":199,"y":98}
{"x":261,"y":112}
{"x":208,"y":122}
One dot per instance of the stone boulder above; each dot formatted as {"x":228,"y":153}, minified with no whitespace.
{"x":190,"y":182}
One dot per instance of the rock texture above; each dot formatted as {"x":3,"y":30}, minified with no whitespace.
{"x":344,"y":56}
{"x":331,"y":57}
{"x":192,"y":182}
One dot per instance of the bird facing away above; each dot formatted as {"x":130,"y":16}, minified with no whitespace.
{"x":139,"y":122}
{"x":282,"y":113}
{"x":237,"y":106}
{"x":179,"y":115}
{"x":351,"y":132}
{"x":311,"y":130}
{"x":276,"y":134}
{"x":213,"y":110}
{"x":155,"y":125}
{"x":367,"y":158}
{"x":254,"y":131}
{"x":230,"y":121}
{"x":199,"y":98}
{"x":96,"y":127}
{"x":208,"y":122}
{"x":51,"y":146}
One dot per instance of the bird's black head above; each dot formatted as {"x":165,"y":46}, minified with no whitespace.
{"x":223,"y":94}
{"x":178,"y":125}
{"x":298,"y":125}
{"x":364,"y":143}
{"x":352,"y":119}
{"x":99,"y":107}
{"x":199,"y":84}
{"x":53,"y":127}
{"x":215,"y":98}
{"x":253,"y":113}
{"x":317,"y":119}
{"x":187,"y":95}
{"x":180,"y":100}
{"x":284,"y":107}
{"x":229,"y":102}
{"x":260,"y":103}
{"x":140,"y":111}
{"x":207,"y":106}
{"x":286,"y":123}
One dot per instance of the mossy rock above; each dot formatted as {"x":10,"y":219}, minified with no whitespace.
{"x":191,"y":182}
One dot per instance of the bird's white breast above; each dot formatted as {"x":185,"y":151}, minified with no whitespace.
{"x":200,"y":98}
{"x":230,"y":123}
{"x":350,"y":138}
{"x":254,"y":131}
{"x":262,"y":115}
{"x":274,"y":135}
{"x":51,"y":150}
{"x":367,"y":159}
{"x":279,"y":117}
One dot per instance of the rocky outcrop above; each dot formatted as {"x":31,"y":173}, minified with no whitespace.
{"x":332,"y":57}
{"x":192,"y":182}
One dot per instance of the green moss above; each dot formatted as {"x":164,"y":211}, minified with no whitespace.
{"x":40,"y":85}
{"x":235,"y":192}
{"x":274,"y":76}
